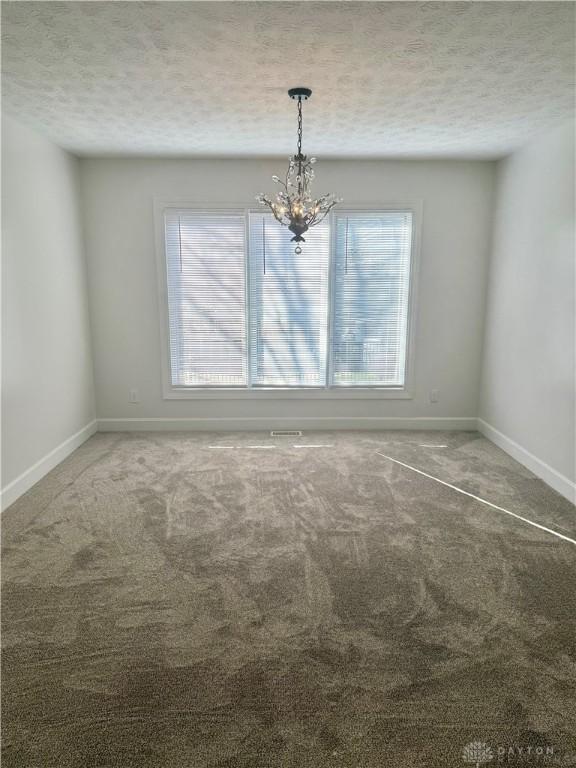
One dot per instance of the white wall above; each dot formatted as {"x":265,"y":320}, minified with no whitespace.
{"x":528,"y":386}
{"x":47,"y":377}
{"x":526,"y":390}
{"x":118,"y":208}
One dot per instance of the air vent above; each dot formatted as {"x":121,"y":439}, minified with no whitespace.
{"x":286,"y":433}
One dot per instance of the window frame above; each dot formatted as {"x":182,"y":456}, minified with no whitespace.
{"x":326,"y":392}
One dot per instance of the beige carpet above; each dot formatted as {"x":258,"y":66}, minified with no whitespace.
{"x":232,"y":601}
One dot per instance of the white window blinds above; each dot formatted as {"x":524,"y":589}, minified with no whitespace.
{"x":288,"y":305}
{"x":206,"y":298}
{"x":370,"y":306}
{"x":245,"y":311}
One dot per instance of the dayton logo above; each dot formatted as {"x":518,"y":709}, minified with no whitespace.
{"x":477,"y":753}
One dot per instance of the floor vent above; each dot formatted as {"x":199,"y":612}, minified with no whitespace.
{"x":286,"y":433}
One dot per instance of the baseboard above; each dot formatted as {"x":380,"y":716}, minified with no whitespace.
{"x":544,"y":471}
{"x":27,"y":479}
{"x":288,"y":422}
{"x":36,"y":472}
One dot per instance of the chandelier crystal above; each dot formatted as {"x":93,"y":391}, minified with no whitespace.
{"x":293,"y":205}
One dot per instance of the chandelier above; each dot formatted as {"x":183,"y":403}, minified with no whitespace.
{"x":293,"y":206}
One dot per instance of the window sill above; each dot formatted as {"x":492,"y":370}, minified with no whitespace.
{"x":288,"y":393}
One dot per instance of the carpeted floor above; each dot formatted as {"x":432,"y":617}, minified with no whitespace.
{"x":184,"y":600}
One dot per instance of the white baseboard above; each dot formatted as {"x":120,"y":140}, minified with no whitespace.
{"x":27,"y":479}
{"x":36,"y":472}
{"x":285,"y":422}
{"x":544,"y":471}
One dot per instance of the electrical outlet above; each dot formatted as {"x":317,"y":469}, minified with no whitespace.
{"x":133,"y":396}
{"x":434,"y":395}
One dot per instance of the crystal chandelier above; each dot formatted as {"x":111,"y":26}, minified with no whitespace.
{"x":294,"y":206}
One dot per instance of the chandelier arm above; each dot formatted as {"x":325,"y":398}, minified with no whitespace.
{"x":326,"y":212}
{"x":319,"y":216}
{"x":312,"y":220}
{"x":270,"y":205}
{"x":275,"y":214}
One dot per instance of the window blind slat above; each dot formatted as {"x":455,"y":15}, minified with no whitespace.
{"x":370,"y":310}
{"x":206,"y":298}
{"x":288,"y":305}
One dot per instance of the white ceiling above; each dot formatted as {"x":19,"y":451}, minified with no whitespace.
{"x":457,"y":79}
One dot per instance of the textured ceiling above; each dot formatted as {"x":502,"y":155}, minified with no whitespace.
{"x":390,"y":79}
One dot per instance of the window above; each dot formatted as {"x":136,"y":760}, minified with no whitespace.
{"x":288,"y":302}
{"x":370,"y":310}
{"x":246,"y":312}
{"x":206,"y":299}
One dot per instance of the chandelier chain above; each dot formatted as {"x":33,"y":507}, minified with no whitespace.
{"x":299,"y":126}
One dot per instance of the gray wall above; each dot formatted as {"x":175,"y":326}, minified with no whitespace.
{"x":528,"y":386}
{"x":47,"y":376}
{"x":118,"y":204}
